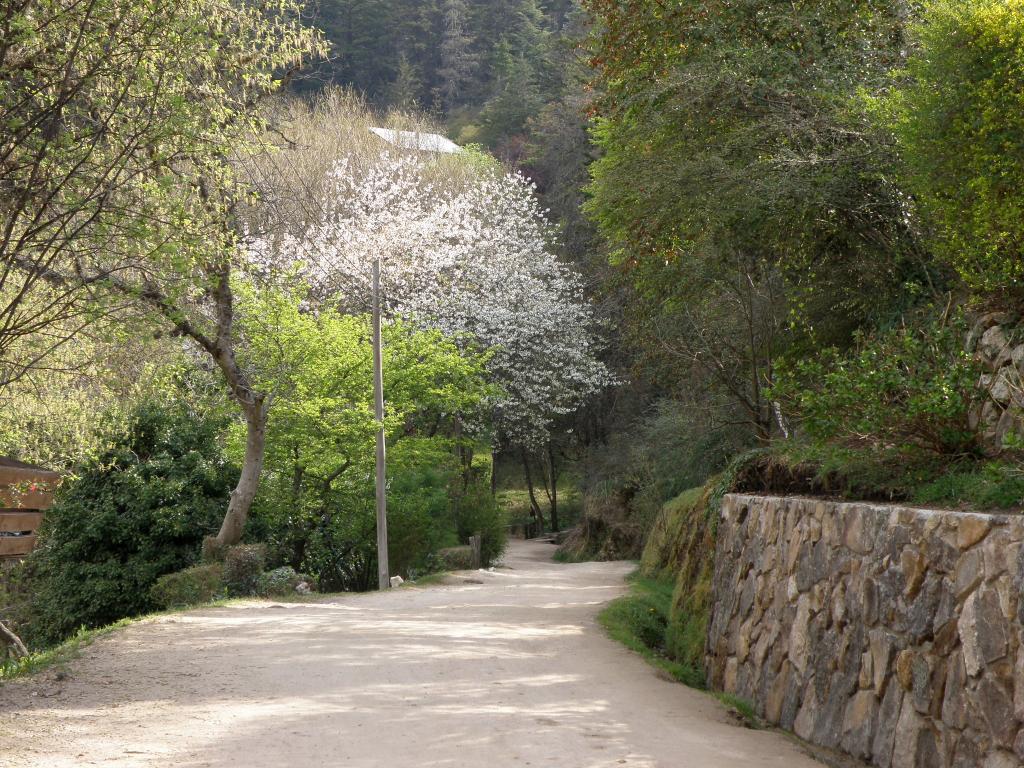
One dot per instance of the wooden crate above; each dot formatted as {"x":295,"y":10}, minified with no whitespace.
{"x":22,"y":506}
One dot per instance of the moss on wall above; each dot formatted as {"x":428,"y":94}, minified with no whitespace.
{"x":681,"y":549}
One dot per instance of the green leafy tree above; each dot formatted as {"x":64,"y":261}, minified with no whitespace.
{"x":111,"y":114}
{"x":162,"y":99}
{"x":959,"y":117}
{"x":743,"y":192}
{"x":318,"y":505}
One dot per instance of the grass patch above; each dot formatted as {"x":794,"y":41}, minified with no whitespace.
{"x":565,"y":556}
{"x":905,"y":476}
{"x":741,"y":708}
{"x":428,"y":580}
{"x":515,"y":501}
{"x":59,"y":655}
{"x":639,"y":621}
{"x":994,"y":485}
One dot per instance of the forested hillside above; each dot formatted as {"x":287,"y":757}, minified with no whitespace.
{"x":510,"y":74}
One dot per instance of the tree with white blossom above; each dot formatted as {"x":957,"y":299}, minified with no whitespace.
{"x":468,"y":253}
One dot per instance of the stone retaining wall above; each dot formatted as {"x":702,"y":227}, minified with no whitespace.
{"x":996,"y":341}
{"x":890,"y":633}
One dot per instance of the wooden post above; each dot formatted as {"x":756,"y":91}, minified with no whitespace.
{"x":383,"y":572}
{"x":494,"y":472}
{"x":476,"y":546}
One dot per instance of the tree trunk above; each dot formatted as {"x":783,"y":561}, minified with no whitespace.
{"x":534,"y":506}
{"x":463,"y":453}
{"x":551,"y":485}
{"x":552,"y":471}
{"x":252,"y":466}
{"x":8,"y":637}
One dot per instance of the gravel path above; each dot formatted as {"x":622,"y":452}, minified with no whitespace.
{"x":510,"y":671}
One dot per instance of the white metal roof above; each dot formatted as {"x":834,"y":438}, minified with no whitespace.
{"x":425,"y":142}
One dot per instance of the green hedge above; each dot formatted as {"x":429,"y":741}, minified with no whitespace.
{"x":278,"y":582}
{"x":456,"y":558}
{"x":192,"y":586}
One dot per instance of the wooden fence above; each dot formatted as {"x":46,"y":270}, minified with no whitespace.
{"x":25,"y":492}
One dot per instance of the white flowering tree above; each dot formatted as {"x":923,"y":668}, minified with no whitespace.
{"x":471,"y":258}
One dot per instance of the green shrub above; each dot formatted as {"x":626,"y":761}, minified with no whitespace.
{"x":243,"y":567}
{"x":278,"y":582}
{"x":212,"y":550}
{"x":478,"y":512}
{"x":134,"y":514}
{"x":332,"y":536}
{"x":192,"y":586}
{"x":456,"y":558}
{"x":959,"y":119}
{"x":908,"y":388}
{"x":419,"y":521}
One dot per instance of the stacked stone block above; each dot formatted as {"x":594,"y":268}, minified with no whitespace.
{"x":890,"y":633}
{"x":996,"y":341}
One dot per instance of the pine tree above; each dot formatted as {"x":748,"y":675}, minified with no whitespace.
{"x":458,"y":62}
{"x":359,"y":32}
{"x":404,"y":90}
{"x":415,"y":29}
{"x":515,"y":100}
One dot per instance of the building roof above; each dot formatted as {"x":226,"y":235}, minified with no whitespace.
{"x":425,"y":142}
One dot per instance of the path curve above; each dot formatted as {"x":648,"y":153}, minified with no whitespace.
{"x":513,"y":671}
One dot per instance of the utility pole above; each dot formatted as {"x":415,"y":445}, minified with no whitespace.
{"x":383,"y":572}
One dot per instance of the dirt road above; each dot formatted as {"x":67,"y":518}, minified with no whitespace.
{"x":512,"y":671}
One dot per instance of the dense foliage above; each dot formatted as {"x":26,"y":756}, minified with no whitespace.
{"x":317,"y":507}
{"x":740,"y":187}
{"x":960,"y":123}
{"x":489,"y":64}
{"x":795,"y":200}
{"x":904,"y":388}
{"x":195,"y":585}
{"x":137,"y":512}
